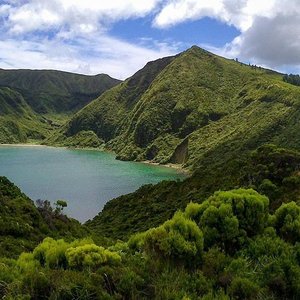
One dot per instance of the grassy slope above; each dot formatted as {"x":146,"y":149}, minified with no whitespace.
{"x":33,"y":104}
{"x":179,"y":109}
{"x":49,"y":91}
{"x":18,"y":121}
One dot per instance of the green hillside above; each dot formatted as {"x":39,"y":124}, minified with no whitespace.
{"x":18,"y":122}
{"x":179,"y":109}
{"x":50,"y":91}
{"x":232,"y":245}
{"x":33,"y":104}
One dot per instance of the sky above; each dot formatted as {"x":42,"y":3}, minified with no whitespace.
{"x":118,"y":37}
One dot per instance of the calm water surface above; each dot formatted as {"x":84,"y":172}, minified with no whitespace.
{"x":86,"y":179}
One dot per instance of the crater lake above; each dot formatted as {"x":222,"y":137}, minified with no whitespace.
{"x":86,"y":179}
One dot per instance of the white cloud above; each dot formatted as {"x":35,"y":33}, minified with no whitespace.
{"x":84,"y":15}
{"x":239,"y":13}
{"x":73,"y":35}
{"x":270,"y":34}
{"x":104,"y":55}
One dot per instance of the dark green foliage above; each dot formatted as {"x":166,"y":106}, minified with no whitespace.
{"x":172,"y":261}
{"x":55,"y":91}
{"x":35,"y":103}
{"x":178,"y":241}
{"x":287,"y":222}
{"x":291,"y":78}
{"x":228,"y":218}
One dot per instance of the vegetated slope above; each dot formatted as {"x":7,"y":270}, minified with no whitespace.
{"x":180,"y":108}
{"x":18,"y":121}
{"x":270,"y":170}
{"x":231,"y":246}
{"x":50,"y":91}
{"x":23,"y":225}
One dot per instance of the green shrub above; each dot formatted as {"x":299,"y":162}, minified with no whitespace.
{"x":179,"y":240}
{"x":243,"y":288}
{"x":287,"y":222}
{"x":227,"y":218}
{"x":90,"y":256}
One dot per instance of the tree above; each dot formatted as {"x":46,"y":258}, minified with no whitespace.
{"x":60,"y":205}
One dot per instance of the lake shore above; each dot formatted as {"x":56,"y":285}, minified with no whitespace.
{"x":177,"y":167}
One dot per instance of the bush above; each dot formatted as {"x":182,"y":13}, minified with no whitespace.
{"x":90,"y":256}
{"x":227,"y":218}
{"x":178,"y":240}
{"x":287,"y":222}
{"x":243,"y":288}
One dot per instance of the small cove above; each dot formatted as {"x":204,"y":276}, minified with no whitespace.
{"x":86,"y":179}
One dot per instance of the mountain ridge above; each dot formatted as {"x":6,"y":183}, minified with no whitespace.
{"x":166,"y":116}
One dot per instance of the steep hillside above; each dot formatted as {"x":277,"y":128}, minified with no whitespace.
{"x":180,"y":108}
{"x":18,"y":122}
{"x":49,"y":91}
{"x":35,"y":103}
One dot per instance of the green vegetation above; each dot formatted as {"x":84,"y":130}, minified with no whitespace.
{"x":33,"y":104}
{"x":228,"y":247}
{"x":270,"y":170}
{"x":23,"y":225}
{"x":180,"y":109}
{"x":291,"y":78}
{"x":229,"y":231}
{"x":49,"y":91}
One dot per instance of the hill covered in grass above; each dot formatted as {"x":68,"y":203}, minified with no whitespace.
{"x":18,"y":122}
{"x":179,"y":109}
{"x":34,"y":103}
{"x":50,"y":91}
{"x":229,"y":246}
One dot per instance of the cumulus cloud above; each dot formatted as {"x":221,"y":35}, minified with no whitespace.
{"x":74,"y":34}
{"x":270,"y":34}
{"x":103,"y":54}
{"x":84,"y":15}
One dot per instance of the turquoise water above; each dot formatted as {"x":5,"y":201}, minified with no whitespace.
{"x":85,"y":179}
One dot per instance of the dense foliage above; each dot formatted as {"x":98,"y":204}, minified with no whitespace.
{"x":228,"y":247}
{"x":291,"y":78}
{"x":23,"y":225}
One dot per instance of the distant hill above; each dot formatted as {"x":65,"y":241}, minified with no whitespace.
{"x":33,"y":103}
{"x":49,"y":91}
{"x":178,"y":109}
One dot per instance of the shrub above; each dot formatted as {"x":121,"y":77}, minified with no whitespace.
{"x":287,"y":222}
{"x":90,"y":256}
{"x":178,"y":240}
{"x":226,"y":218}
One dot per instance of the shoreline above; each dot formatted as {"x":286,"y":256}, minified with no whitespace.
{"x":176,"y":167}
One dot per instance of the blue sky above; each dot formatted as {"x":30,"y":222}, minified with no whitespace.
{"x":206,"y":31}
{"x":118,"y":37}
